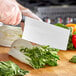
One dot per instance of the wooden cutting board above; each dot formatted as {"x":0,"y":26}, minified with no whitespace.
{"x":64,"y":68}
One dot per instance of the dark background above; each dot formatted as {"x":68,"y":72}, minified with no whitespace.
{"x":33,"y":3}
{"x":53,"y":11}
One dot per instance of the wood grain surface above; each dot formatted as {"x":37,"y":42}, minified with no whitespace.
{"x":64,"y":68}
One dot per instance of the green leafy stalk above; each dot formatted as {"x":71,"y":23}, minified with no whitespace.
{"x":70,"y":44}
{"x":73,"y":59}
{"x":9,"y":68}
{"x":61,"y":25}
{"x":41,"y":56}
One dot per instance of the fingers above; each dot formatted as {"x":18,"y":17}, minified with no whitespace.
{"x":28,"y":13}
{"x":16,"y":18}
{"x":10,"y":13}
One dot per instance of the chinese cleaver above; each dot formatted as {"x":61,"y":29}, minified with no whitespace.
{"x":45,"y":34}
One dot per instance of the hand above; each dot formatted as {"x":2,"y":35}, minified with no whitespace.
{"x":9,"y":12}
{"x":29,"y":13}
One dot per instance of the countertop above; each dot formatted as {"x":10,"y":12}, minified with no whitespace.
{"x":64,"y":68}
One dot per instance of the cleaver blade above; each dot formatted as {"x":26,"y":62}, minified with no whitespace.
{"x":45,"y":34}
